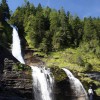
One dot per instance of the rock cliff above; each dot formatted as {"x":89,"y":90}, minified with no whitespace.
{"x":15,"y":84}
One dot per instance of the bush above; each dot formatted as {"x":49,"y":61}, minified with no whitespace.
{"x":20,"y":67}
{"x":98,"y":91}
{"x":58,"y":73}
{"x":88,"y":66}
{"x":80,"y":61}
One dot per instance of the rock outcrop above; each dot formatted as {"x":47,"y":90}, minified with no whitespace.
{"x":16,"y":79}
{"x":15,"y":84}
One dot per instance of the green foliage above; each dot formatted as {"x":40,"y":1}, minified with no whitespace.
{"x":5,"y":29}
{"x":80,"y":61}
{"x":54,"y":21}
{"x":88,"y":67}
{"x":55,"y":33}
{"x":17,"y":67}
{"x":98,"y":91}
{"x":21,"y":67}
{"x":5,"y":34}
{"x":5,"y":9}
{"x":51,"y":30}
{"x":43,"y":45}
{"x":58,"y":40}
{"x":58,"y":73}
{"x":47,"y":30}
{"x":77,"y":27}
{"x":89,"y":30}
{"x":73,"y":60}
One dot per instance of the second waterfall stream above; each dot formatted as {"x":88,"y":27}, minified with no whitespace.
{"x":76,"y":85}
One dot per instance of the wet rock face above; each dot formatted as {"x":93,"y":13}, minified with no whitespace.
{"x":62,"y":90}
{"x":15,"y":84}
{"x":31,"y":60}
{"x":4,"y":56}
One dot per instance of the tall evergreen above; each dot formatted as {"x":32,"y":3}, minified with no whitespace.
{"x":5,"y":9}
{"x":77,"y":27}
{"x":48,"y":29}
{"x":1,"y":13}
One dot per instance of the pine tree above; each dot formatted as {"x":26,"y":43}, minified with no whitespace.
{"x":1,"y":13}
{"x":5,"y":9}
{"x":77,"y":27}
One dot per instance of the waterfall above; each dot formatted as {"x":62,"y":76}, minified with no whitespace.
{"x":76,"y":85}
{"x":42,"y":80}
{"x":16,"y":47}
{"x":42,"y":83}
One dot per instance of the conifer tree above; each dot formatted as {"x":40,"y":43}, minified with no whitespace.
{"x":5,"y":9}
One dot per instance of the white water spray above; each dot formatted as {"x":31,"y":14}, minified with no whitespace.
{"x":76,"y":85}
{"x":42,"y":83}
{"x":16,"y":48}
{"x":42,"y":80}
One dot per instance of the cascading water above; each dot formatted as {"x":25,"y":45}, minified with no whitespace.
{"x":76,"y":85}
{"x":42,"y":83}
{"x":16,"y":48}
{"x":42,"y":80}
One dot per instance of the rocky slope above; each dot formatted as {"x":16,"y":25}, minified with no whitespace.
{"x":16,"y":79}
{"x":15,"y":84}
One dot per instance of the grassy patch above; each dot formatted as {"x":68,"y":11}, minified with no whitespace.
{"x":98,"y":91}
{"x":78,"y":62}
{"x":73,"y":59}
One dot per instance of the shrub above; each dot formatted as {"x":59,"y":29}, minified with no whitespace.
{"x":88,"y":66}
{"x":80,"y":61}
{"x":98,"y":91}
{"x":58,"y":73}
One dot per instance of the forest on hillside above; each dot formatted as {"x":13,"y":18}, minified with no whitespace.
{"x":47,"y":29}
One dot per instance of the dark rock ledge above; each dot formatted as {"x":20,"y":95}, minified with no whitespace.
{"x":15,"y":84}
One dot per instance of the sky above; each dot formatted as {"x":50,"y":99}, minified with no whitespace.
{"x":82,"y":8}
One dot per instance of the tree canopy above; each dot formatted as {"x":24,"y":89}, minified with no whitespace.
{"x":48,"y":29}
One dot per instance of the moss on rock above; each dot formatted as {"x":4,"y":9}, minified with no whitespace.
{"x":58,"y":73}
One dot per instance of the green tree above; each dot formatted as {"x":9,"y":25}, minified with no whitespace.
{"x":57,"y":40}
{"x":48,"y":29}
{"x":35,"y":29}
{"x":46,"y":13}
{"x":31,"y":34}
{"x":64,"y":28}
{"x":1,"y":13}
{"x":54,"y":21}
{"x":39,"y":8}
{"x":89,"y":30}
{"x":77,"y":34}
{"x":5,"y":9}
{"x":91,"y":42}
